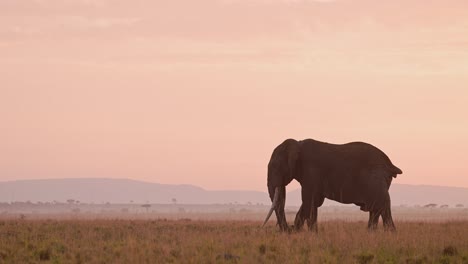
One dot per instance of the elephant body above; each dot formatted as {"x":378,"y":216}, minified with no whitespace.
{"x":357,"y":173}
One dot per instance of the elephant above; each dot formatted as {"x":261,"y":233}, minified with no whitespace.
{"x":353,"y":173}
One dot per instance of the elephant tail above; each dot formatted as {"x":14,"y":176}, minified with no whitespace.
{"x":394,"y":170}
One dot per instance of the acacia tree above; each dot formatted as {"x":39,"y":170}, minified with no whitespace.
{"x":146,"y":206}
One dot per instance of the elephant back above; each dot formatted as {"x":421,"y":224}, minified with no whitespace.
{"x":372,"y":156}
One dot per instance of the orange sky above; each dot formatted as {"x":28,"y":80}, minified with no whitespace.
{"x":200,"y":92}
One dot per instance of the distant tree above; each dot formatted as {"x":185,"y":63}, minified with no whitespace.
{"x":244,"y":210}
{"x":71,"y":201}
{"x":174,"y":200}
{"x":444,"y":206}
{"x":146,"y":206}
{"x":459,"y":206}
{"x":431,"y":205}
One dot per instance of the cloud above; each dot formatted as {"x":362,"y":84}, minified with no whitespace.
{"x":345,"y":36}
{"x":280,"y":1}
{"x":84,"y":22}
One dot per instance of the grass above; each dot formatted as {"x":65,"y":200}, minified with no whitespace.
{"x":186,"y":241}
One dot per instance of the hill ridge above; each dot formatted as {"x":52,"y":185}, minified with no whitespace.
{"x":124,"y":190}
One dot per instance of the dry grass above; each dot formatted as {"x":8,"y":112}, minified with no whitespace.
{"x":186,"y":241}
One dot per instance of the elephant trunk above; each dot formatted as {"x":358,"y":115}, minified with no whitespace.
{"x":275,"y":204}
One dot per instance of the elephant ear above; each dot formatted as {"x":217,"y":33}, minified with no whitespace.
{"x":293,"y":150}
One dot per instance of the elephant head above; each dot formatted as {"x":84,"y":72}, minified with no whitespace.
{"x":282,"y":169}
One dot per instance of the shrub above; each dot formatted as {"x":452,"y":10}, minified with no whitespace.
{"x":449,"y":251}
{"x":44,"y":254}
{"x":364,"y":258}
{"x":262,"y":249}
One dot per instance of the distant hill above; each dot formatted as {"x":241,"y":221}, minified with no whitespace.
{"x":97,"y":190}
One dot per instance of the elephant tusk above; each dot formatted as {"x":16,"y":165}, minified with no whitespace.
{"x":274,"y":205}
{"x":268,"y":216}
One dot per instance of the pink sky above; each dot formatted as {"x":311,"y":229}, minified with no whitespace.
{"x":200,"y":92}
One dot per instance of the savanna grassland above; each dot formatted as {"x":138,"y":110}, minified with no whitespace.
{"x":218,"y":241}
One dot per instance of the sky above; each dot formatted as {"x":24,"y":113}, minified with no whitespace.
{"x":201,"y":92}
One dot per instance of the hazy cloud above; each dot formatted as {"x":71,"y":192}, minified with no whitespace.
{"x":98,"y":22}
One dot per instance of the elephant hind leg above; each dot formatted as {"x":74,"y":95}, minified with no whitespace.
{"x":387,"y":219}
{"x":373,"y":220}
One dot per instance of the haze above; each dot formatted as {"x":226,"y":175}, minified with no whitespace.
{"x":201,"y":92}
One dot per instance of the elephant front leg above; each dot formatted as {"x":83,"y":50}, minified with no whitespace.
{"x":308,"y":209}
{"x":312,"y":220}
{"x":299,"y":220}
{"x":280,"y":214}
